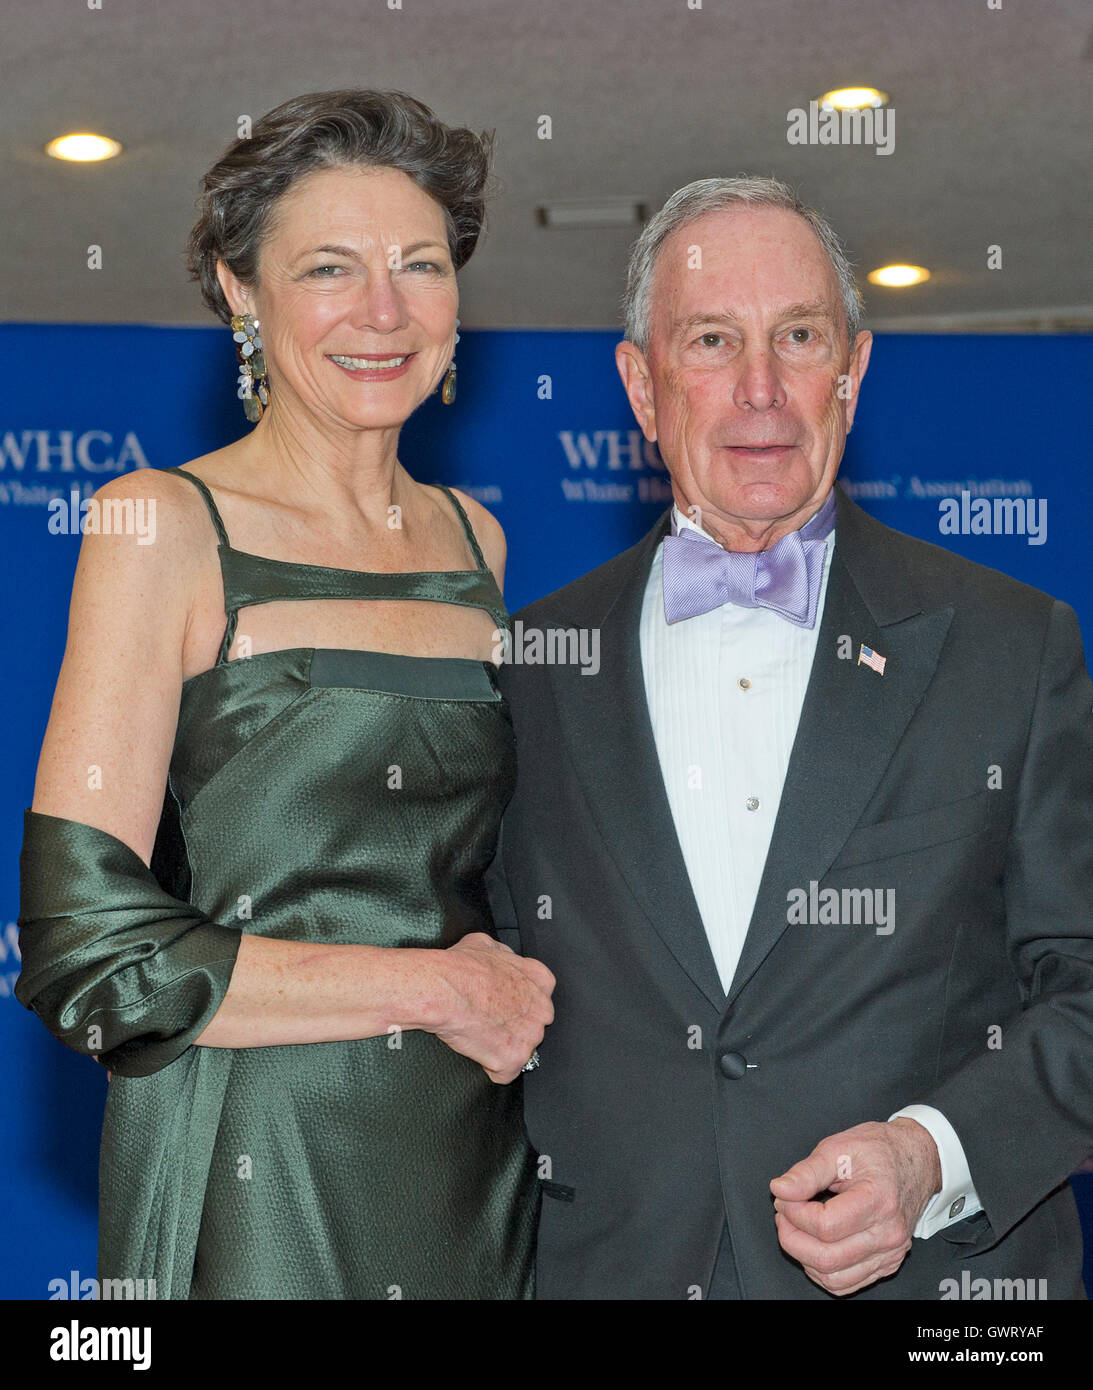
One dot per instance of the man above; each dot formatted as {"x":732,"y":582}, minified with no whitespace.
{"x":811,"y":856}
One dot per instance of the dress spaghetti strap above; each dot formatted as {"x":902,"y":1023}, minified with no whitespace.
{"x":231,"y":611}
{"x":472,"y":539}
{"x":222,"y":535}
{"x":249,"y":579}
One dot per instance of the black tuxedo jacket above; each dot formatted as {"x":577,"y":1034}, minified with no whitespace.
{"x":962,"y":779}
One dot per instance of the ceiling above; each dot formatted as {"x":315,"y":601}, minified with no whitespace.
{"x":992,"y":138}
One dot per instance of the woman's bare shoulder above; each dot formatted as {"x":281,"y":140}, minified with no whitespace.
{"x":171,"y":504}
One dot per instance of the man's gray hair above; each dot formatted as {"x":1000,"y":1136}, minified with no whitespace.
{"x":716,"y":195}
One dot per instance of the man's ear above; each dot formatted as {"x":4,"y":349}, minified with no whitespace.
{"x":859,"y":361}
{"x":240,"y":300}
{"x":637,"y":382}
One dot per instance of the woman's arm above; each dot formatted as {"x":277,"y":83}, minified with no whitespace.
{"x":478,"y":996}
{"x":111,"y":728}
{"x":104,"y":764}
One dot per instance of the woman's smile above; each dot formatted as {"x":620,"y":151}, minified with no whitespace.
{"x":373,"y":367}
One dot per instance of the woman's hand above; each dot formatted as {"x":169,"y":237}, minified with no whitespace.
{"x":493,"y":1005}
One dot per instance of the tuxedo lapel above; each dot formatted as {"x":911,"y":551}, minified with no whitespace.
{"x":851,"y":720}
{"x":610,"y":740}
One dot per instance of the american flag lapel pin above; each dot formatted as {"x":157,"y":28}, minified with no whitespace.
{"x":872,"y":659}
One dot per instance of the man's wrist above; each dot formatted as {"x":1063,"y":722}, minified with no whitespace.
{"x":931,"y":1157}
{"x":957,"y":1198}
{"x":927,"y":1176}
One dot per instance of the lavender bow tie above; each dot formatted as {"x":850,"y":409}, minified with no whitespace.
{"x":699,"y":576}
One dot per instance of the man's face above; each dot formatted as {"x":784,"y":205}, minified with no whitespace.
{"x":748,"y":383}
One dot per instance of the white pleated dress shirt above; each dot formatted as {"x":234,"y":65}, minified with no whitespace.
{"x":725,"y":691}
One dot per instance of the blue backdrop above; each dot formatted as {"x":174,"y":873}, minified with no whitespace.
{"x":543,"y":436}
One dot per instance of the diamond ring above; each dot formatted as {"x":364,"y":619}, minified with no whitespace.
{"x":532,"y":1062}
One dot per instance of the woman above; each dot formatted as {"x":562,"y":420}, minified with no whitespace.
{"x":275,"y":768}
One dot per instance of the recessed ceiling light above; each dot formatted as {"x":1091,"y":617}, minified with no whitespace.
{"x":83,"y":147}
{"x":852,"y":99}
{"x":898,"y":277}
{"x":601,"y":212}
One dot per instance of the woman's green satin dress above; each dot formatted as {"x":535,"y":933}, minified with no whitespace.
{"x":324,"y":795}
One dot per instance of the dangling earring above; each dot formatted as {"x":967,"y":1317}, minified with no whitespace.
{"x":253,"y":386}
{"x":447,"y":390}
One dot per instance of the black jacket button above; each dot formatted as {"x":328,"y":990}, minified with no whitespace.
{"x":733,"y":1065}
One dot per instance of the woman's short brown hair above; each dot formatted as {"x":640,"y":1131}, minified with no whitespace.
{"x":323,"y":130}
